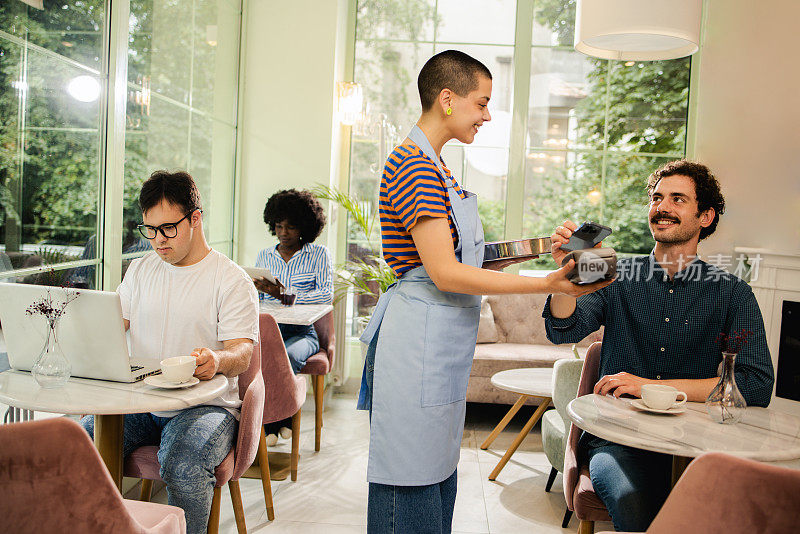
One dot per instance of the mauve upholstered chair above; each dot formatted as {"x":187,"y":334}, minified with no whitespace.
{"x":53,"y":480}
{"x":143,"y":462}
{"x":578,"y":489}
{"x":319,"y":365}
{"x":555,"y":423}
{"x":285,"y":391}
{"x":723,"y":494}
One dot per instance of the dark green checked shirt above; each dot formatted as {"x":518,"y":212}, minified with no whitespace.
{"x":658,"y":328}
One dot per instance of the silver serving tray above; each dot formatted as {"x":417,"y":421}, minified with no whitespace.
{"x":503,"y":250}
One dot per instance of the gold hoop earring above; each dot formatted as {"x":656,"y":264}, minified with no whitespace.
{"x":449,"y":111}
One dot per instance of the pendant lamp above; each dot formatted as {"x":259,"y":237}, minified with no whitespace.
{"x":638,"y":30}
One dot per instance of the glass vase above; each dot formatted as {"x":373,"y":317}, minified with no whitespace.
{"x":726,"y":404}
{"x":52,"y":369}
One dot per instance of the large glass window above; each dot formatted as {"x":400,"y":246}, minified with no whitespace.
{"x":182,"y":79}
{"x":181,"y":110}
{"x":52,"y":78}
{"x":596,"y":129}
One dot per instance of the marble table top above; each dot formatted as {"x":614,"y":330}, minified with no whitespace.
{"x":86,"y":396}
{"x":763,"y":434}
{"x":529,"y":381}
{"x":298,"y":314}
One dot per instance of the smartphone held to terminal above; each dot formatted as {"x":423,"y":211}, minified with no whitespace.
{"x":587,"y":236}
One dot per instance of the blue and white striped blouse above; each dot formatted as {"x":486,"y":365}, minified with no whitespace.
{"x":308,"y":272}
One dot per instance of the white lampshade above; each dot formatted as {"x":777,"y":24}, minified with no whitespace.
{"x":639,"y":30}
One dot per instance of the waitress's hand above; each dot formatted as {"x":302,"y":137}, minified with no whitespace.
{"x":499,"y":265}
{"x":265,"y":286}
{"x":559,"y":283}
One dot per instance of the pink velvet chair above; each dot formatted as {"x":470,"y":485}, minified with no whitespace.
{"x":285,"y":391}
{"x":723,"y":494}
{"x":319,"y":365}
{"x":578,"y":489}
{"x":143,"y":462}
{"x":53,"y":480}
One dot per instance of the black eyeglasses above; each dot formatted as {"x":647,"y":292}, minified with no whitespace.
{"x":168,"y":230}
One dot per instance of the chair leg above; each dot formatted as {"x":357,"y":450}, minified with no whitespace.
{"x":238,"y":508}
{"x":551,"y":478}
{"x":213,"y":517}
{"x":146,"y":490}
{"x":263,"y":464}
{"x":567,"y":517}
{"x":586,"y":527}
{"x":295,"y":444}
{"x":319,"y":393}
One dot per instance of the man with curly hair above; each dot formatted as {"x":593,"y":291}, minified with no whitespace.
{"x":662,"y":317}
{"x":301,"y":267}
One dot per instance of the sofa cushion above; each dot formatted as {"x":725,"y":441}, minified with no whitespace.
{"x":487,"y":330}
{"x":495,"y":357}
{"x":519,"y":318}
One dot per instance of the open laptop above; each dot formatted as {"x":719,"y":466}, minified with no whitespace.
{"x":91,"y":333}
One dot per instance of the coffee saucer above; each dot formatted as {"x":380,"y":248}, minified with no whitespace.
{"x":158,"y":381}
{"x":639,"y":403}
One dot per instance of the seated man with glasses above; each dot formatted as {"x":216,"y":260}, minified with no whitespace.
{"x":185,"y":298}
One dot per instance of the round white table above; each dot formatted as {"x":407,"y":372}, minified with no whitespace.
{"x":531,"y":382}
{"x":763,"y":434}
{"x":107,"y":401}
{"x":297,"y":314}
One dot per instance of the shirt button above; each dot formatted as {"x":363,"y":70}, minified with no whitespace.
{"x":663,"y":349}
{"x":658,"y":377}
{"x":666,"y":319}
{"x":671,"y":291}
{"x":666,"y":278}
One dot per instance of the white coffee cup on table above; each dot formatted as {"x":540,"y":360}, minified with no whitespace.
{"x":662,"y":397}
{"x":178,"y":369}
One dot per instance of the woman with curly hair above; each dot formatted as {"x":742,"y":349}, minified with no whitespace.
{"x":296,"y":218}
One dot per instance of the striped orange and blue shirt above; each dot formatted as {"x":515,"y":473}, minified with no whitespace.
{"x":411,"y":187}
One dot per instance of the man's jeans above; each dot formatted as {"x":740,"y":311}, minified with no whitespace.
{"x":301,"y":343}
{"x":632,"y":483}
{"x":191,"y":445}
{"x":411,"y":509}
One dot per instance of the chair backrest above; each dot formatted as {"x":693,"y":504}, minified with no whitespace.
{"x":53,"y":479}
{"x":249,"y":431}
{"x":566,"y":376}
{"x":253,"y":369}
{"x":589,"y":378}
{"x":327,"y":335}
{"x":738,"y":496}
{"x":284,"y":392}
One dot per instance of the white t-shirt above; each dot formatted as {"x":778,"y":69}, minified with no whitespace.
{"x":173,"y":310}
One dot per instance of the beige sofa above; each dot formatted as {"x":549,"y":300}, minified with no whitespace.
{"x":511,"y":335}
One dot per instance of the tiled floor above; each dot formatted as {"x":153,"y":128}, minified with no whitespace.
{"x":330,"y":494}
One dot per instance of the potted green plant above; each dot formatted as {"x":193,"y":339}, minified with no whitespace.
{"x":367,"y":275}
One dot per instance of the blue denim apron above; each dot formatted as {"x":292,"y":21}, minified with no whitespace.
{"x":422,"y":342}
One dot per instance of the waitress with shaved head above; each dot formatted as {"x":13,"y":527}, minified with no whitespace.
{"x":421,"y":338}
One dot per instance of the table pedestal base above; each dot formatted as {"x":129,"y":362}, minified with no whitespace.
{"x":108,"y":440}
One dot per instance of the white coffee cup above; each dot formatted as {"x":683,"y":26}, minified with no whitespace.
{"x":662,"y":397}
{"x":178,"y":369}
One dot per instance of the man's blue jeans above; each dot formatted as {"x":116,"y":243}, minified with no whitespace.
{"x":191,"y":445}
{"x":632,"y":483}
{"x":411,"y":509}
{"x":301,"y":343}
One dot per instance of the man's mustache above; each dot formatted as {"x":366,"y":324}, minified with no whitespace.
{"x":664,"y":216}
